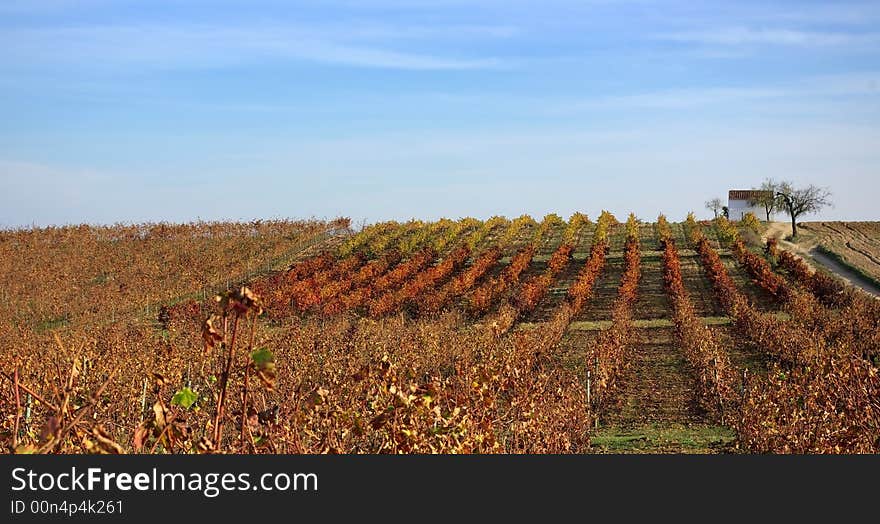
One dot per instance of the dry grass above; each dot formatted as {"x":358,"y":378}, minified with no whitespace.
{"x":855,"y":244}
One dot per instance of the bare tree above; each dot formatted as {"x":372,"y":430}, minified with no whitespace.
{"x":715,"y":205}
{"x":803,"y":201}
{"x":767,"y":197}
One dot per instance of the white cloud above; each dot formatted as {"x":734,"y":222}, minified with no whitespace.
{"x":362,"y":30}
{"x":206,"y":45}
{"x":29,"y":7}
{"x":737,"y":36}
{"x":844,"y":85}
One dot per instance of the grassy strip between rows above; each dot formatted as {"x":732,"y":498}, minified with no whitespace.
{"x":655,"y":438}
{"x":599,"y":325}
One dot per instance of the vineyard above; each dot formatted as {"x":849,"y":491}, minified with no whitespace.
{"x":456,"y":336}
{"x":855,"y":245}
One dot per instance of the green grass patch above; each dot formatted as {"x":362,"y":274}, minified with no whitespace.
{"x":653,"y":323}
{"x":598,"y":325}
{"x":101,"y":279}
{"x":781,"y":315}
{"x":589,"y":325}
{"x":52,"y":324}
{"x":655,"y":438}
{"x":716,"y":321}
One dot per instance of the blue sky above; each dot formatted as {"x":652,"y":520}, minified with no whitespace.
{"x":375,"y":109}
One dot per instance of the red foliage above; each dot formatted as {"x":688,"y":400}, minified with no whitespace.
{"x":609,"y":352}
{"x":533,"y":291}
{"x":483,"y":297}
{"x":783,"y":341}
{"x":421,"y":282}
{"x":761,"y":272}
{"x":363,"y":275}
{"x":276,"y":289}
{"x":829,"y":406}
{"x":826,"y":288}
{"x":712,"y":365}
{"x":856,"y":323}
{"x":461,"y":283}
{"x":382,"y":284}
{"x":821,"y":397}
{"x":187,"y":313}
{"x":582,"y":288}
{"x":307,"y":292}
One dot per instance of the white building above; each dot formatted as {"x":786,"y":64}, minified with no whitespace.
{"x":739,"y":202}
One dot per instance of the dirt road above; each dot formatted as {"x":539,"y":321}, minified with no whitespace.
{"x":811,"y":255}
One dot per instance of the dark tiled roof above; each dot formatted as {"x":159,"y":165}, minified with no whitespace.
{"x":744,"y":194}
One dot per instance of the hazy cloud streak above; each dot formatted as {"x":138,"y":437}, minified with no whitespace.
{"x":737,"y":36}
{"x":206,"y":45}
